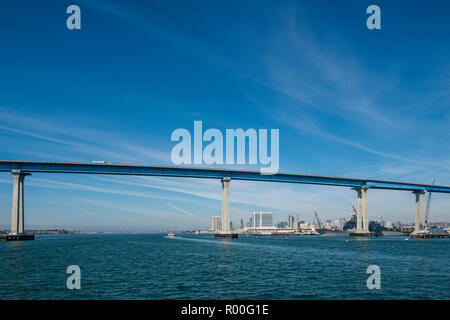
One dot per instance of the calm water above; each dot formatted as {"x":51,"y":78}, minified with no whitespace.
{"x":153,"y":266}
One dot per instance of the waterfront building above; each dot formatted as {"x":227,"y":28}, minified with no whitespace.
{"x":261,"y":220}
{"x":216,"y":223}
{"x":303,"y":226}
{"x":282,"y":225}
{"x":442,"y":224}
{"x":380,"y":221}
{"x":339,"y":224}
{"x":250,"y":222}
{"x":291,"y":221}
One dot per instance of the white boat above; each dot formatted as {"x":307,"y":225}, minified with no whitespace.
{"x":171,"y":234}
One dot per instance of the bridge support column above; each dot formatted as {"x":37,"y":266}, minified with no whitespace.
{"x":17,"y":211}
{"x":359,"y":218}
{"x":424,"y":213}
{"x":365,"y":213}
{"x":362,"y":216}
{"x":225,"y":205}
{"x":420,"y":202}
{"x":226,"y":232}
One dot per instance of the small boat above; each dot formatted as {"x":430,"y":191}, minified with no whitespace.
{"x":171,"y":234}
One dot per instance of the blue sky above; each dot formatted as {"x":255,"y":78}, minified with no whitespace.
{"x":348,"y":101}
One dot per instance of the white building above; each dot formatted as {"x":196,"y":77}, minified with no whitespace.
{"x":380,"y":221}
{"x":304,"y":226}
{"x":339,"y":223}
{"x":291,"y":222}
{"x":216,"y":224}
{"x":261,"y":220}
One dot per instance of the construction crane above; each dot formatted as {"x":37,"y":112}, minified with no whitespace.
{"x":316,"y":220}
{"x":427,"y":213}
{"x":354,"y":210}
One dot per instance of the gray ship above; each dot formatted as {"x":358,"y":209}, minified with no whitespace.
{"x":350,"y":227}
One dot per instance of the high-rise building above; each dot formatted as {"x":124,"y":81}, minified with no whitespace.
{"x":242,"y":223}
{"x":261,"y":220}
{"x":339,"y":223}
{"x":442,"y":224}
{"x":291,"y":221}
{"x":250,"y":222}
{"x":216,"y":224}
{"x":380,"y":221}
{"x":282,"y":224}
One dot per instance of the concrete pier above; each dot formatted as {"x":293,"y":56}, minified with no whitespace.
{"x":18,"y":207}
{"x":420,"y":204}
{"x":424,"y":213}
{"x":359,"y":218}
{"x":365,"y":213}
{"x":362,"y":216}
{"x":225,"y":205}
{"x":226,"y":232}
{"x":416,"y":220}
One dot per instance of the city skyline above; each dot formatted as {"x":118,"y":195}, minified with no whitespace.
{"x":347,"y":101}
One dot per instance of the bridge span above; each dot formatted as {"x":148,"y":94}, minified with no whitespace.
{"x":20,"y":169}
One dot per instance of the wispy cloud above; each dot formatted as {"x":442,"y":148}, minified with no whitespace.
{"x":86,"y":212}
{"x":307,"y":126}
{"x":62,"y":185}
{"x":160,"y":30}
{"x":183,"y":211}
{"x":319,"y":80}
{"x":73,"y":140}
{"x":342,"y":86}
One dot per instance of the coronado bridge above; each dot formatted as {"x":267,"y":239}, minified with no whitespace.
{"x":21,"y":169}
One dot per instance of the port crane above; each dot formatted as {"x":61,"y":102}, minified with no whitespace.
{"x":354,"y":210}
{"x":316,"y":220}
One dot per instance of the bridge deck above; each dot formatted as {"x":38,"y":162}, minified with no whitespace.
{"x":196,"y":172}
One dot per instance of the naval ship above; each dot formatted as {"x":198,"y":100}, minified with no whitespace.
{"x":350,"y":227}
